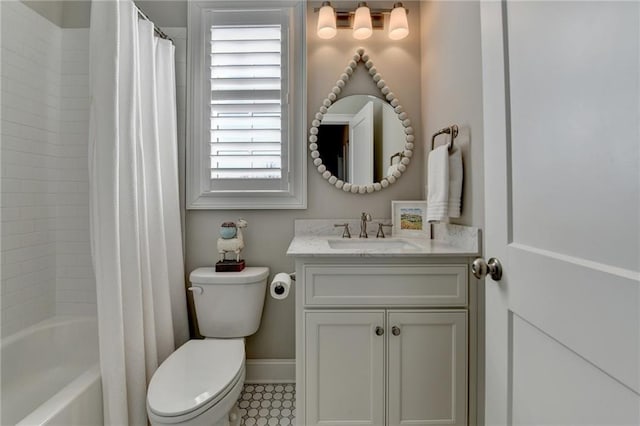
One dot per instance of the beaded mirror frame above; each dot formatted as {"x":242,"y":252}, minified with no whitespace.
{"x":361,"y":56}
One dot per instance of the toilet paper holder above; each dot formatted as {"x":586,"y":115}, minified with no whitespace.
{"x":279,"y":289}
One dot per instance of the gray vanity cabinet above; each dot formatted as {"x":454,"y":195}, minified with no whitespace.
{"x":382,"y":343}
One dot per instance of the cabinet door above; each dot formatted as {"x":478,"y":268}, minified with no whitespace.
{"x":427,"y":368}
{"x":344,"y":368}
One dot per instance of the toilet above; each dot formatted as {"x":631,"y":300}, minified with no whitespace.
{"x":200,"y":382}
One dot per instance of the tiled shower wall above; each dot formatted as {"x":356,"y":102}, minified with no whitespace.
{"x":46,"y":264}
{"x":75,"y":281}
{"x":31,"y":53}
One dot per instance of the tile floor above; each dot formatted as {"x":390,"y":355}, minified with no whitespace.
{"x":267,"y":404}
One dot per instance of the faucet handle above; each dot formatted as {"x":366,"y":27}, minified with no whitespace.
{"x":345,"y":231}
{"x":366,"y":217}
{"x":380,"y":233}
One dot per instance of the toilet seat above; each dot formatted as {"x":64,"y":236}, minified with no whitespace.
{"x":195,"y":378}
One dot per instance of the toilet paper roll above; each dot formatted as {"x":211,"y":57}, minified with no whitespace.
{"x":280,"y":286}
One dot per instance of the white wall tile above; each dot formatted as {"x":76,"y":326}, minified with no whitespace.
{"x":30,"y":91}
{"x":75,"y":288}
{"x":77,"y":308}
{"x":46,"y":265}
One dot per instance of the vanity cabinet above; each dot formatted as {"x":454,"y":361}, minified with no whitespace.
{"x":389,"y":367}
{"x":345,"y":374}
{"x":382,"y":342}
{"x":427,"y":367}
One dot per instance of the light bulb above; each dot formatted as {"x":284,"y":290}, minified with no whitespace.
{"x":362,"y":27}
{"x":398,"y":24}
{"x":326,"y":21}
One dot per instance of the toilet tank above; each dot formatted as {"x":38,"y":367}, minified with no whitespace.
{"x":228,"y":304}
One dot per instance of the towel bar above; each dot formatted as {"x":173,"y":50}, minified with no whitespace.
{"x":397,"y":154}
{"x":451,"y":130}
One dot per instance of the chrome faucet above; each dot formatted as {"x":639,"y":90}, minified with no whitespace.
{"x":366,"y":217}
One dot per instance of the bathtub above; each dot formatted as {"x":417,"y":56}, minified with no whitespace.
{"x":51,"y":375}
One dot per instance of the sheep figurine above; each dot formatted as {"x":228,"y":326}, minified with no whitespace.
{"x":231,"y":240}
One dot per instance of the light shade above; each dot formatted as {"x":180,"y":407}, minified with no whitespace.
{"x":398,"y":24}
{"x":362,"y":27}
{"x":326,"y":21}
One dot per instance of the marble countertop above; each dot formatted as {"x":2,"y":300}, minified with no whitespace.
{"x":313,"y":237}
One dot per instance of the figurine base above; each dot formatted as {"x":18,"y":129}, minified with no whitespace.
{"x":230,"y":266}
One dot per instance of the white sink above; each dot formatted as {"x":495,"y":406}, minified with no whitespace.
{"x":371,"y":244}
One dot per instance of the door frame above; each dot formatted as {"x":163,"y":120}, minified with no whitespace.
{"x":496,"y":130}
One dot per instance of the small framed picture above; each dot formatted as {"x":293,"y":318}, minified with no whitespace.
{"x":409,"y":219}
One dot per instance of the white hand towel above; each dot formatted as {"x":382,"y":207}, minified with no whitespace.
{"x":438,"y":184}
{"x":456,"y":174}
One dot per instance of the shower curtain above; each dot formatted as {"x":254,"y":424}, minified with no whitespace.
{"x":135,"y":218}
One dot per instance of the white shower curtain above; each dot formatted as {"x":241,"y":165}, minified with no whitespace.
{"x":135,"y":219}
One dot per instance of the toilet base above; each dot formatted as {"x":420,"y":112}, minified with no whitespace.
{"x":232,"y":419}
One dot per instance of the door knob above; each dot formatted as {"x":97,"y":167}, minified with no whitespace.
{"x":493,"y":267}
{"x":395,"y":330}
{"x":379,"y":331}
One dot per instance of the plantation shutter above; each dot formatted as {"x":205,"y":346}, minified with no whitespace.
{"x":248,"y":130}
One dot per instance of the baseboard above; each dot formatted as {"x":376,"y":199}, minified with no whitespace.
{"x":270,"y":371}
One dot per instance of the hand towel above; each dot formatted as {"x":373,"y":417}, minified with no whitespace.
{"x":456,"y":174}
{"x":438,"y":184}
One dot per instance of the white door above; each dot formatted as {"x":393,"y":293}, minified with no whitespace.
{"x":562,"y":183}
{"x":427,"y":368}
{"x":361,"y":146}
{"x":344,"y":372}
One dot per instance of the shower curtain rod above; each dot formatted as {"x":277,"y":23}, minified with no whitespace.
{"x":156,"y":29}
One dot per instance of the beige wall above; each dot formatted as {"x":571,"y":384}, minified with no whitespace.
{"x":270,"y":231}
{"x":452,"y":91}
{"x":165,"y":13}
{"x":52,"y":10}
{"x":77,"y":13}
{"x":65,"y":14}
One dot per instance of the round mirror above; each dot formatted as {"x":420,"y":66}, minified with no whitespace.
{"x":361,"y":143}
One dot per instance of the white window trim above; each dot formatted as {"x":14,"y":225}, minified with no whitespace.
{"x":199,"y":197}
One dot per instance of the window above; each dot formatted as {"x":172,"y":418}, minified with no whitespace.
{"x":246,"y":102}
{"x":246,"y":133}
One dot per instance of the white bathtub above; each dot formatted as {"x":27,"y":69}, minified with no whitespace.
{"x":51,"y":375}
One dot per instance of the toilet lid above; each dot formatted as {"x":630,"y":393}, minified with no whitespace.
{"x":195,"y":374}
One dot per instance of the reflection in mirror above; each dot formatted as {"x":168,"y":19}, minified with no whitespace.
{"x":361,"y":143}
{"x":361,"y":139}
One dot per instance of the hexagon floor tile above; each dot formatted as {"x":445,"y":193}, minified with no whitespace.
{"x":268,"y":404}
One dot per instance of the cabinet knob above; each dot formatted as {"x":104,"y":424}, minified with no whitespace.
{"x":395,"y":330}
{"x":379,"y":331}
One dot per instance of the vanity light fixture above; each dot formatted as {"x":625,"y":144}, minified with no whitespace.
{"x":398,"y":24}
{"x":362,"y":26}
{"x":363,"y":20}
{"x":326,"y":21}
